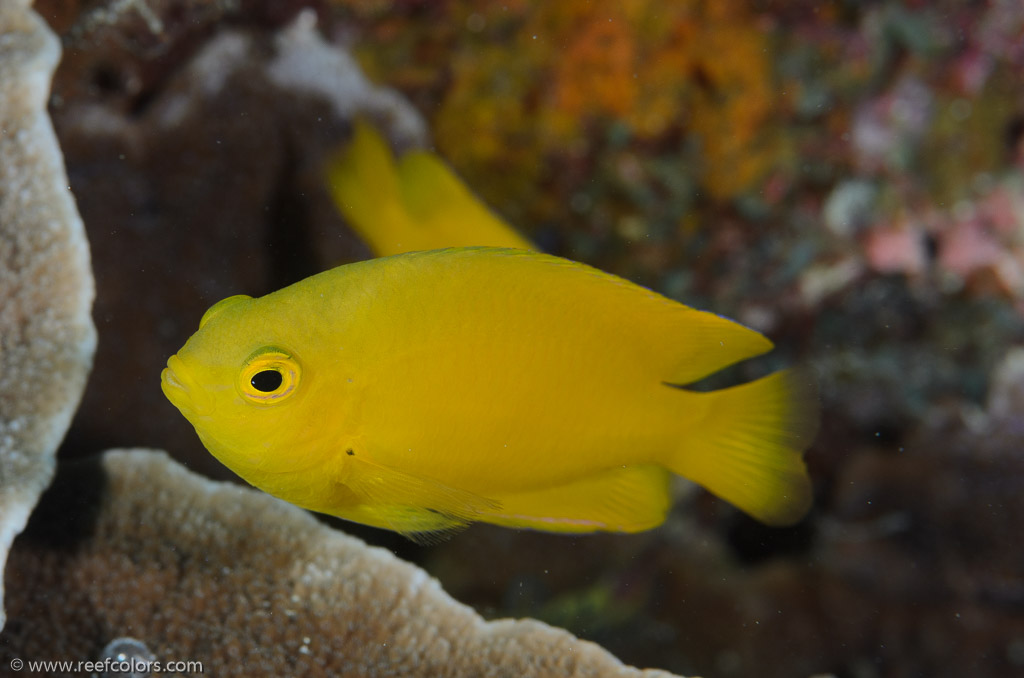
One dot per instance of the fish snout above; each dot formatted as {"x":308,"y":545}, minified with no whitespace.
{"x":174,"y":385}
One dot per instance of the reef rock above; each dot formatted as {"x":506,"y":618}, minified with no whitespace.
{"x":134,"y":548}
{"x":47,"y":338}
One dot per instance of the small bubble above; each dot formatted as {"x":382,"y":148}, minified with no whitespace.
{"x":476,"y":22}
{"x":131,"y":658}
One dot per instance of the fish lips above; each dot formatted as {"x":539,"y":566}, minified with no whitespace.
{"x":177,"y":388}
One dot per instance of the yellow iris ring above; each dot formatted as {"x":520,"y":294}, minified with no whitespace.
{"x":269,"y":359}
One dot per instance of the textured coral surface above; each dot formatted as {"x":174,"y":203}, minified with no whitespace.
{"x":133,"y":545}
{"x":46,"y":336}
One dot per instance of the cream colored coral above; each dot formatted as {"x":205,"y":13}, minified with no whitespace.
{"x":250,"y":585}
{"x":46,"y":335}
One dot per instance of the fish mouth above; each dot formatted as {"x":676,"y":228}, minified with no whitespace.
{"x":175,"y":388}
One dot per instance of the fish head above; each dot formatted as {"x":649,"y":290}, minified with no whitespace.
{"x":242,"y":382}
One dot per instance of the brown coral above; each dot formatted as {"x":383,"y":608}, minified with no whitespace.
{"x":135,"y":545}
{"x":46,"y":335}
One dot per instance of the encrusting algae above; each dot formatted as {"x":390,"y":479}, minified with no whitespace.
{"x":424,"y":391}
{"x":532,"y":80}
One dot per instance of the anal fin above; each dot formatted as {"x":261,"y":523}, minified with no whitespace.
{"x":621,"y":499}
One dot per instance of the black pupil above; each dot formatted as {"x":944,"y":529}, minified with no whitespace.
{"x":266,"y":381}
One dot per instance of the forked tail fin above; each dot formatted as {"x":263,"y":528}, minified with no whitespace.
{"x":415,"y":203}
{"x":363,"y":181}
{"x":748,"y":447}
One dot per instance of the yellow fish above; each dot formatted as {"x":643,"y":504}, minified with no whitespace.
{"x":418,"y":204}
{"x":424,"y":391}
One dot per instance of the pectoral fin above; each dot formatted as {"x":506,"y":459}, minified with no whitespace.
{"x":417,"y":507}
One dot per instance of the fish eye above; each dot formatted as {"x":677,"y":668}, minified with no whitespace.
{"x":266,"y":381}
{"x":269,"y":376}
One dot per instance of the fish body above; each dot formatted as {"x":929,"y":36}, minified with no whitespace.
{"x":424,"y":391}
{"x":416,"y":203}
